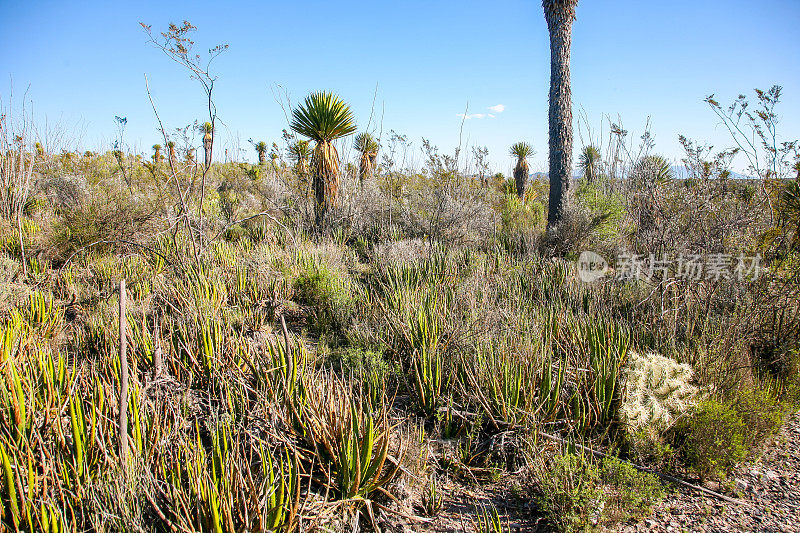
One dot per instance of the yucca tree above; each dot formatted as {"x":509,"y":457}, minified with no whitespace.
{"x":323,"y":117}
{"x":366,"y":145}
{"x":261,"y":149}
{"x":652,"y":168}
{"x":156,"y":153}
{"x":208,"y":141}
{"x":559,"y":15}
{"x":522,"y":151}
{"x":171,"y":152}
{"x":589,"y":162}
{"x":300,"y":155}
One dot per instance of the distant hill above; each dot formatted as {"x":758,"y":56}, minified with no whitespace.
{"x":679,"y":171}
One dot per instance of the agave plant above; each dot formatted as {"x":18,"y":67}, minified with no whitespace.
{"x":324,"y":117}
{"x":589,"y":162}
{"x":208,"y":141}
{"x":261,"y":149}
{"x":367,"y":146}
{"x":522,"y":151}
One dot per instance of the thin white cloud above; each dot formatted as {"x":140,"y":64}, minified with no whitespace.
{"x":499,"y":108}
{"x":491,"y":116}
{"x":471,"y":116}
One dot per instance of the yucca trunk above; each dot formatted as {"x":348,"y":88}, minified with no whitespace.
{"x":262,"y":157}
{"x":521,"y":177}
{"x":366,"y":166}
{"x":172,"y":158}
{"x":559,"y":15}
{"x":325,"y":163}
{"x":207,"y":145}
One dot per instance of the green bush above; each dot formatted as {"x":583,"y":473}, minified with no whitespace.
{"x":569,"y":492}
{"x":723,"y":433}
{"x":715,"y":439}
{"x":324,"y":290}
{"x":632,"y":494}
{"x":761,"y":412}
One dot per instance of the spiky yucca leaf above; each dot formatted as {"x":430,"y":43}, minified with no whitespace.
{"x":323,"y":117}
{"x":522,"y":151}
{"x":365,"y":143}
{"x":653,"y":168}
{"x":589,"y":162}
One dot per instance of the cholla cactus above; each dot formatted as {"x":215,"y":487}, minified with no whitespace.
{"x":657,"y":391}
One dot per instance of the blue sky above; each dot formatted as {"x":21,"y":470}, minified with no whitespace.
{"x":84,"y":62}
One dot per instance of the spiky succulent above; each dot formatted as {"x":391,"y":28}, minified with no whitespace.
{"x":367,"y":146}
{"x":323,"y":117}
{"x":653,"y":168}
{"x":589,"y":162}
{"x":522,"y":151}
{"x":261,"y":149}
{"x":657,"y":391}
{"x":208,"y":142}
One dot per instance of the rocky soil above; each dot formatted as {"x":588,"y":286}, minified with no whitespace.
{"x":769,"y":489}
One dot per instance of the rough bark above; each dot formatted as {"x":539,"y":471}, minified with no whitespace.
{"x":559,"y":15}
{"x":326,"y":179}
{"x":521,"y":177}
{"x":207,"y":144}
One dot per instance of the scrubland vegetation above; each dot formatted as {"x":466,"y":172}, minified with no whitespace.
{"x":301,"y":362}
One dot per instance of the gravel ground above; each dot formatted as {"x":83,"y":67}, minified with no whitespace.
{"x":769,"y":488}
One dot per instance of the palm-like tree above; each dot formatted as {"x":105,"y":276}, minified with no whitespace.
{"x":589,"y":162}
{"x":653,"y":168}
{"x":522,"y":151}
{"x":156,"y":153}
{"x":559,"y":15}
{"x":208,"y":141}
{"x":367,"y":146}
{"x":323,"y":117}
{"x":261,"y":149}
{"x":300,"y":155}
{"x":171,"y":152}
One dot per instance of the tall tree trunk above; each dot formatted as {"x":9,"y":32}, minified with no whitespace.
{"x":207,"y":145}
{"x":559,"y":15}
{"x":325,"y":163}
{"x":521,"y":177}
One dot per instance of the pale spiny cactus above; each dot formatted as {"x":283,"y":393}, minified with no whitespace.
{"x":657,"y":391}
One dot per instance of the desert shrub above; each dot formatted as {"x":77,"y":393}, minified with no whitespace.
{"x":603,"y":202}
{"x":715,"y":439}
{"x":520,"y":221}
{"x":723,"y":433}
{"x":325,"y":290}
{"x":761,"y":411}
{"x":631,"y":493}
{"x":568,"y":492}
{"x":110,"y":215}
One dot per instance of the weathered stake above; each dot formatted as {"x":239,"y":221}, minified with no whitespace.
{"x":123,"y":370}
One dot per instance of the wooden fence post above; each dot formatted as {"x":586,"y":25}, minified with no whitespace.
{"x":123,"y":384}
